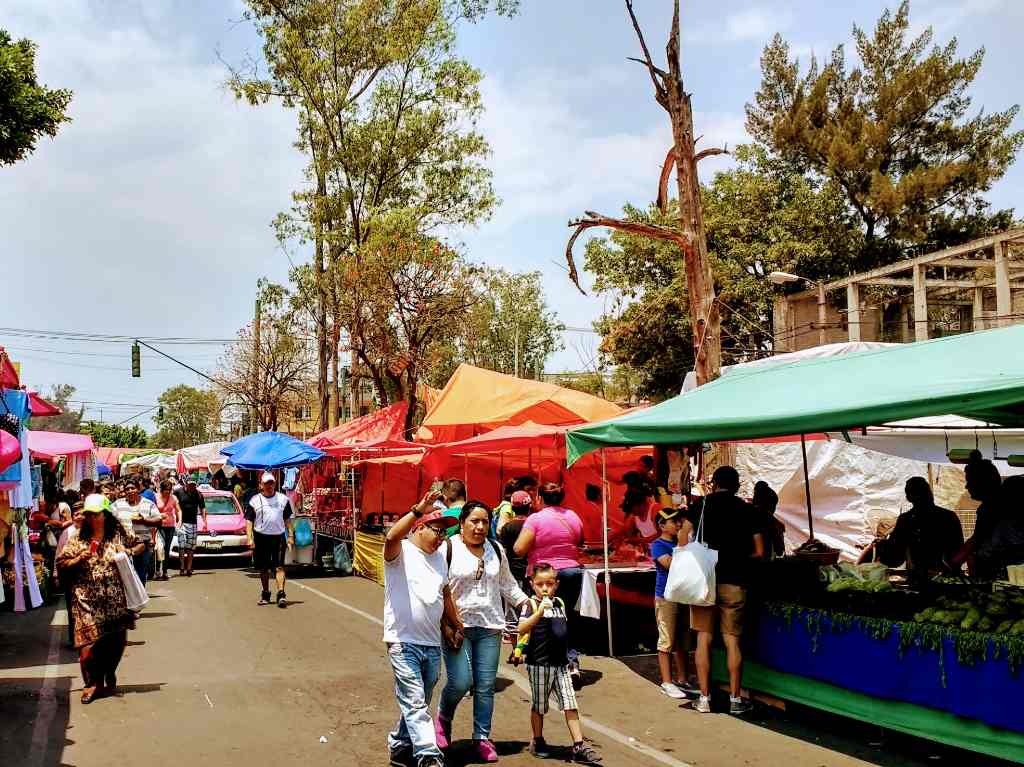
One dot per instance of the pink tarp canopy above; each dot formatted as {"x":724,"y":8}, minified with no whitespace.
{"x":386,"y":424}
{"x":111,"y":456}
{"x":40,"y":407}
{"x":50,"y":444}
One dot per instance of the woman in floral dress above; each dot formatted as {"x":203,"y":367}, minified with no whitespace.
{"x":101,"y":617}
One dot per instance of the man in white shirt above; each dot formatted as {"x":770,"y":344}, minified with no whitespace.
{"x":416,"y":595}
{"x":140,"y":516}
{"x":269,"y":524}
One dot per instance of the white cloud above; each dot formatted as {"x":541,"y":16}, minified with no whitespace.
{"x":755,"y":24}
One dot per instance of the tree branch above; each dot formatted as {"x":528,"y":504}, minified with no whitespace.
{"x":659,"y":87}
{"x":654,"y":231}
{"x":710,"y":152}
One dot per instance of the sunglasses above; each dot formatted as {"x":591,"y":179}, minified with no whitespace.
{"x":440,"y":532}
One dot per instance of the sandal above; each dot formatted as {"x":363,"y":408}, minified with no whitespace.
{"x":88,"y":694}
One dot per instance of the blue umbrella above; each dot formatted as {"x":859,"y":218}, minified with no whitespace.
{"x":270,"y":450}
{"x":102,"y":468}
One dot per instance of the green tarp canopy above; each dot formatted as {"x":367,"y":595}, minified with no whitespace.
{"x":976,"y":375}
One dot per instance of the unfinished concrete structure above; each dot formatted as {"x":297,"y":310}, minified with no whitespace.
{"x":973,"y":286}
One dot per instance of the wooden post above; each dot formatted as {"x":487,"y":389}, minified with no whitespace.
{"x":920,"y":305}
{"x":807,"y":487}
{"x":1003,"y":310}
{"x":607,"y":569}
{"x":822,"y":315}
{"x":853,"y":314}
{"x":979,"y":309}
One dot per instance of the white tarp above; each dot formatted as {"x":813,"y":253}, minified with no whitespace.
{"x":852,"y":488}
{"x":202,"y":457}
{"x":152,"y":461}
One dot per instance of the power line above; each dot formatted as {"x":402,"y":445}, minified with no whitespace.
{"x":107,"y":338}
{"x":126,"y":420}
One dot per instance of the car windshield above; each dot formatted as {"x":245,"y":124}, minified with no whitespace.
{"x":220,"y":506}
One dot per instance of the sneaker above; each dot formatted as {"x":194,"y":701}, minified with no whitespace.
{"x":672,"y":691}
{"x":431,"y":761}
{"x":539,"y":748}
{"x":264,"y":598}
{"x":689,"y":686}
{"x":401,"y":756}
{"x":740,"y":706}
{"x":584,"y":754}
{"x":281,"y":599}
{"x":442,"y":731}
{"x":487,"y":750}
{"x":703,"y":705}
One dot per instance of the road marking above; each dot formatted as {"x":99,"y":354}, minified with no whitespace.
{"x":208,"y":699}
{"x":47,"y":703}
{"x":60,"y":618}
{"x":522,"y":684}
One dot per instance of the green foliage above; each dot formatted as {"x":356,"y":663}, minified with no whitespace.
{"x":188,"y":416}
{"x":759,"y":212}
{"x":893,"y":133}
{"x":67,"y":422}
{"x":28,"y":110}
{"x":114,"y":435}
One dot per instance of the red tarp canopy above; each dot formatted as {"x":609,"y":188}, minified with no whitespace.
{"x":40,"y":407}
{"x":50,"y":444}
{"x":8,"y":375}
{"x":386,"y":424}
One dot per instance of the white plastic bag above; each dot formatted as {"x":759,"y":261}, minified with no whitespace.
{"x":134,"y":592}
{"x":159,"y":550}
{"x":691,"y":576}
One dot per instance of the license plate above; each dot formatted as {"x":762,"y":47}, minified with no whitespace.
{"x":213,"y":544}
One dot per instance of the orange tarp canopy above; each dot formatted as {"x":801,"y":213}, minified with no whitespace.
{"x":387,"y":424}
{"x":475,"y":401}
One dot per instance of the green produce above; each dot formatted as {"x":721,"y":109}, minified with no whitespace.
{"x":971,"y":619}
{"x":1018,"y":628}
{"x":1004,"y":627}
{"x":986,"y":624}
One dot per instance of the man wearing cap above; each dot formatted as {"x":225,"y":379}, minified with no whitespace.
{"x":416,"y":595}
{"x":192,"y":505}
{"x":269,"y":522}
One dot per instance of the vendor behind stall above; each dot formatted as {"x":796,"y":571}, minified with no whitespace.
{"x":1005,"y":546}
{"x":926,"y":538}
{"x":983,"y":485}
{"x":638,"y":525}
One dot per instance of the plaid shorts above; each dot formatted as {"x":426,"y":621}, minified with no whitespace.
{"x":186,"y":537}
{"x":544,"y":679}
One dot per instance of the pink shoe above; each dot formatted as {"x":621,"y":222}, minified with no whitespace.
{"x":487,"y":750}
{"x":442,"y":731}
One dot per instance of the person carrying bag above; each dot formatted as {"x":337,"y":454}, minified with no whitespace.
{"x":691,"y":577}
{"x":135,"y":595}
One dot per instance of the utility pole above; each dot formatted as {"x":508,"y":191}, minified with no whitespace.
{"x":256,"y":346}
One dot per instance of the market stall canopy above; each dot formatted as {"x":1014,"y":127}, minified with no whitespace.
{"x":270,"y":450}
{"x":386,"y":424}
{"x":10,"y":450}
{"x":42,"y":408}
{"x":112,"y":455}
{"x":150,"y":461}
{"x":475,"y":401}
{"x":8,"y":373}
{"x":976,"y":375}
{"x":48,"y":445}
{"x":102,"y":469}
{"x":200,"y":457}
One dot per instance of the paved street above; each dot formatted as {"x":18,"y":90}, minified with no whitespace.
{"x":211,"y":678}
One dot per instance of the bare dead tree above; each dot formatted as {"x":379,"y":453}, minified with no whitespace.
{"x":670,"y":93}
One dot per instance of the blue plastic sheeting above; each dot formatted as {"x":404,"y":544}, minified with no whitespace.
{"x":15,"y":402}
{"x":270,"y":450}
{"x":102,"y":468}
{"x":851,"y":659}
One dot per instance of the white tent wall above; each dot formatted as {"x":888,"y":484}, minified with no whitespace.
{"x":852,"y":488}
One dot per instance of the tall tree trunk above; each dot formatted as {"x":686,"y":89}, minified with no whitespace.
{"x":323,"y":393}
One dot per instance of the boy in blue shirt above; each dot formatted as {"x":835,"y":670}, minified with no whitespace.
{"x":674,"y":635}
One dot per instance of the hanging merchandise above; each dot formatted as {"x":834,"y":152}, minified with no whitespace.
{"x":24,"y":567}
{"x":14,"y":407}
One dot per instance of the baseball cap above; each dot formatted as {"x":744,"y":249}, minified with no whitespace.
{"x":434,"y":516}
{"x":96,"y":503}
{"x":267,"y":477}
{"x":669,"y":513}
{"x":521,"y":498}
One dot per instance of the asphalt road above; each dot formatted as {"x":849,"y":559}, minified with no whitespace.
{"x":210,"y":678}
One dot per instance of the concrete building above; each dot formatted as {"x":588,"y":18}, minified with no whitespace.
{"x":973,"y":286}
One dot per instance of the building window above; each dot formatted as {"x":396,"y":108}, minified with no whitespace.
{"x":303,"y":413}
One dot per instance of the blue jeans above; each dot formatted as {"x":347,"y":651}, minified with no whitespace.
{"x":476,"y":666}
{"x":416,"y":669}
{"x":168,"y":535}
{"x":570,"y":583}
{"x":141,"y":562}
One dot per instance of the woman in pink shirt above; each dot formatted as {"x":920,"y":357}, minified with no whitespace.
{"x":167,"y":505}
{"x":555,"y":535}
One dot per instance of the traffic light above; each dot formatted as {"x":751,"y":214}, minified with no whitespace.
{"x":136,"y":361}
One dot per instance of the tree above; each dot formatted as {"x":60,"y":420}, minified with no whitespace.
{"x":759,"y":213}
{"x":410,"y":295}
{"x":68,"y":421}
{"x":187,"y":416}
{"x":509,"y":328}
{"x":686,"y":227}
{"x":115,"y":435}
{"x":270,"y":363}
{"x":28,"y":110}
{"x":893,"y":133}
{"x":387,"y":114}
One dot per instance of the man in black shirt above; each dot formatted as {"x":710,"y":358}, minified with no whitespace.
{"x":730,"y":526}
{"x":192,"y":505}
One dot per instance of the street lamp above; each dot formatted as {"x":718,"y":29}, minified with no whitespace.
{"x":783,"y":278}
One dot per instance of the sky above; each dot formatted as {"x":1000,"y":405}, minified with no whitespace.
{"x":149,"y":214}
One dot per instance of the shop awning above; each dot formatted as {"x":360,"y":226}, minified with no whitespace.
{"x":270,"y":450}
{"x":199,"y":457}
{"x":976,"y":375}
{"x":475,"y":401}
{"x":386,"y":424}
{"x":50,"y":444}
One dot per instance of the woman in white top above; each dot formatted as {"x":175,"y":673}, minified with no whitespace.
{"x":479,"y":578}
{"x":638,"y":525}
